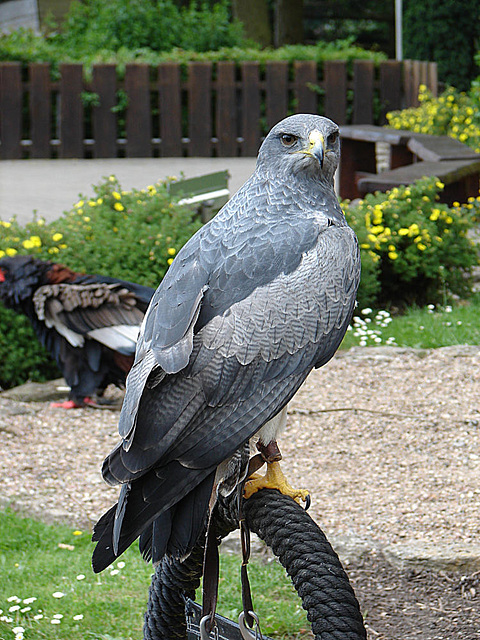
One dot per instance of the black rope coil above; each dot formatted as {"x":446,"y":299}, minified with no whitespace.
{"x":302,"y":548}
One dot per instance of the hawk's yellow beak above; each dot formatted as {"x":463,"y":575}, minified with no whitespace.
{"x":316,"y":146}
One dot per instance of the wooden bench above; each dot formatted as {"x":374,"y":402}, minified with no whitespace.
{"x":412,"y":156}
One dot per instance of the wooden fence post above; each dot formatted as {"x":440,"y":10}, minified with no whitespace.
{"x":390,"y":87}
{"x":200,"y":108}
{"x":10,"y":110}
{"x":305,"y":74}
{"x":226,"y":109}
{"x":170,"y":107}
{"x":139,"y":119}
{"x":335,"y":84}
{"x":363,"y":77}
{"x":71,"y":111}
{"x":40,"y":106}
{"x":250,"y":108}
{"x":104,"y":83}
{"x":276,"y":92}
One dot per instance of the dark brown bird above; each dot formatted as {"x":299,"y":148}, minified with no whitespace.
{"x":89,"y":323}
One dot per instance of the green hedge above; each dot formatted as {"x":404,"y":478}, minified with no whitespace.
{"x":25,"y":46}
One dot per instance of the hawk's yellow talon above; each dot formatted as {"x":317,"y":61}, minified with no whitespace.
{"x":273,"y":479}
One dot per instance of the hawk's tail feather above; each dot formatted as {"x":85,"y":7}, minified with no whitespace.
{"x":176,"y":531}
{"x":169,"y":522}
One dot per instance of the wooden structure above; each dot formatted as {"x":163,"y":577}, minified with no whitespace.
{"x":412,"y":156}
{"x":196,"y":109}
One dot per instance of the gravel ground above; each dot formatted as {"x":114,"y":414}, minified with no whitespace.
{"x":386,"y":439}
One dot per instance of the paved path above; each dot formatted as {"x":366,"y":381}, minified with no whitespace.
{"x":53,"y":186}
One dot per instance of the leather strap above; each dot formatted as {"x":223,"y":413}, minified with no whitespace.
{"x":210,"y":576}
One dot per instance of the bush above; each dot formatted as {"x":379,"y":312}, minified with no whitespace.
{"x":23,"y":357}
{"x":95,"y":236}
{"x":25,"y":46}
{"x":159,"y":25}
{"x":455,"y":114}
{"x":414,"y":249}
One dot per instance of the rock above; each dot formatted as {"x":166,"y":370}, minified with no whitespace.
{"x":38,"y":391}
{"x":351,"y":548}
{"x":418,"y":555}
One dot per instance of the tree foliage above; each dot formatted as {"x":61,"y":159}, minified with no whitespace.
{"x":447,"y":32}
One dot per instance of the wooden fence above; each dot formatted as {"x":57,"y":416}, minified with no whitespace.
{"x":199,"y":109}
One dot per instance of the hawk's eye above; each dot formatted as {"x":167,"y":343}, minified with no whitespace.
{"x":288,"y":139}
{"x":332,"y":138}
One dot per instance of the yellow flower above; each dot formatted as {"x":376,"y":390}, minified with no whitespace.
{"x":170,"y":260}
{"x":92,"y":203}
{"x":435,"y":213}
{"x":80,"y":203}
{"x":421,"y":246}
{"x":371,"y":237}
{"x":57,"y":237}
{"x":86,"y":218}
{"x":62,"y":246}
{"x":449,"y":219}
{"x":403,"y":232}
{"x":5,"y":224}
{"x":393,"y":255}
{"x":171,"y":251}
{"x":2,"y":253}
{"x":392,"y":247}
{"x":33,"y":241}
{"x":365,"y":246}
{"x":116,"y":195}
{"x":118,"y":206}
{"x":99,"y":200}
{"x":53,"y":250}
{"x":77,"y":532}
{"x":439,"y":184}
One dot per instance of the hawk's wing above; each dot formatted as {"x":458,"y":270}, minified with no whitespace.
{"x":107,"y":313}
{"x":237,"y":370}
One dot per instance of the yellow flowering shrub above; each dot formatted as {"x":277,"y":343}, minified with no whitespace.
{"x":132,"y":235}
{"x":414,"y":248}
{"x":453,"y":113}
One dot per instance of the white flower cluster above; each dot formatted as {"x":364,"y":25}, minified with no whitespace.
{"x":369,"y":330}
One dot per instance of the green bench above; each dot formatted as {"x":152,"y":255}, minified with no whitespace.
{"x":207,"y":194}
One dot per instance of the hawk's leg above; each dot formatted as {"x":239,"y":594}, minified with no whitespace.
{"x":274,"y":478}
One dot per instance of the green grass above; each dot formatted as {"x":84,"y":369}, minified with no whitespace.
{"x":420,"y":328}
{"x":38,"y":560}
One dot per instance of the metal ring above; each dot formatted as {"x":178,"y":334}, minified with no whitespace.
{"x":204,"y":635}
{"x":245,"y":630}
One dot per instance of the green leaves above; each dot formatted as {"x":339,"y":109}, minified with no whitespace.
{"x":415,"y":250}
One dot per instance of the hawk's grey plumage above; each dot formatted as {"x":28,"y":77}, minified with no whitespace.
{"x":257,"y":298}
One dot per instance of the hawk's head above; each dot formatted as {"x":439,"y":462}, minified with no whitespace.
{"x":302,"y":143}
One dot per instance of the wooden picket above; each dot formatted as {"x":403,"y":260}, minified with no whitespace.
{"x":197,"y":109}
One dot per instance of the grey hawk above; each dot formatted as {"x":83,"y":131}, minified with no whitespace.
{"x":254,"y":301}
